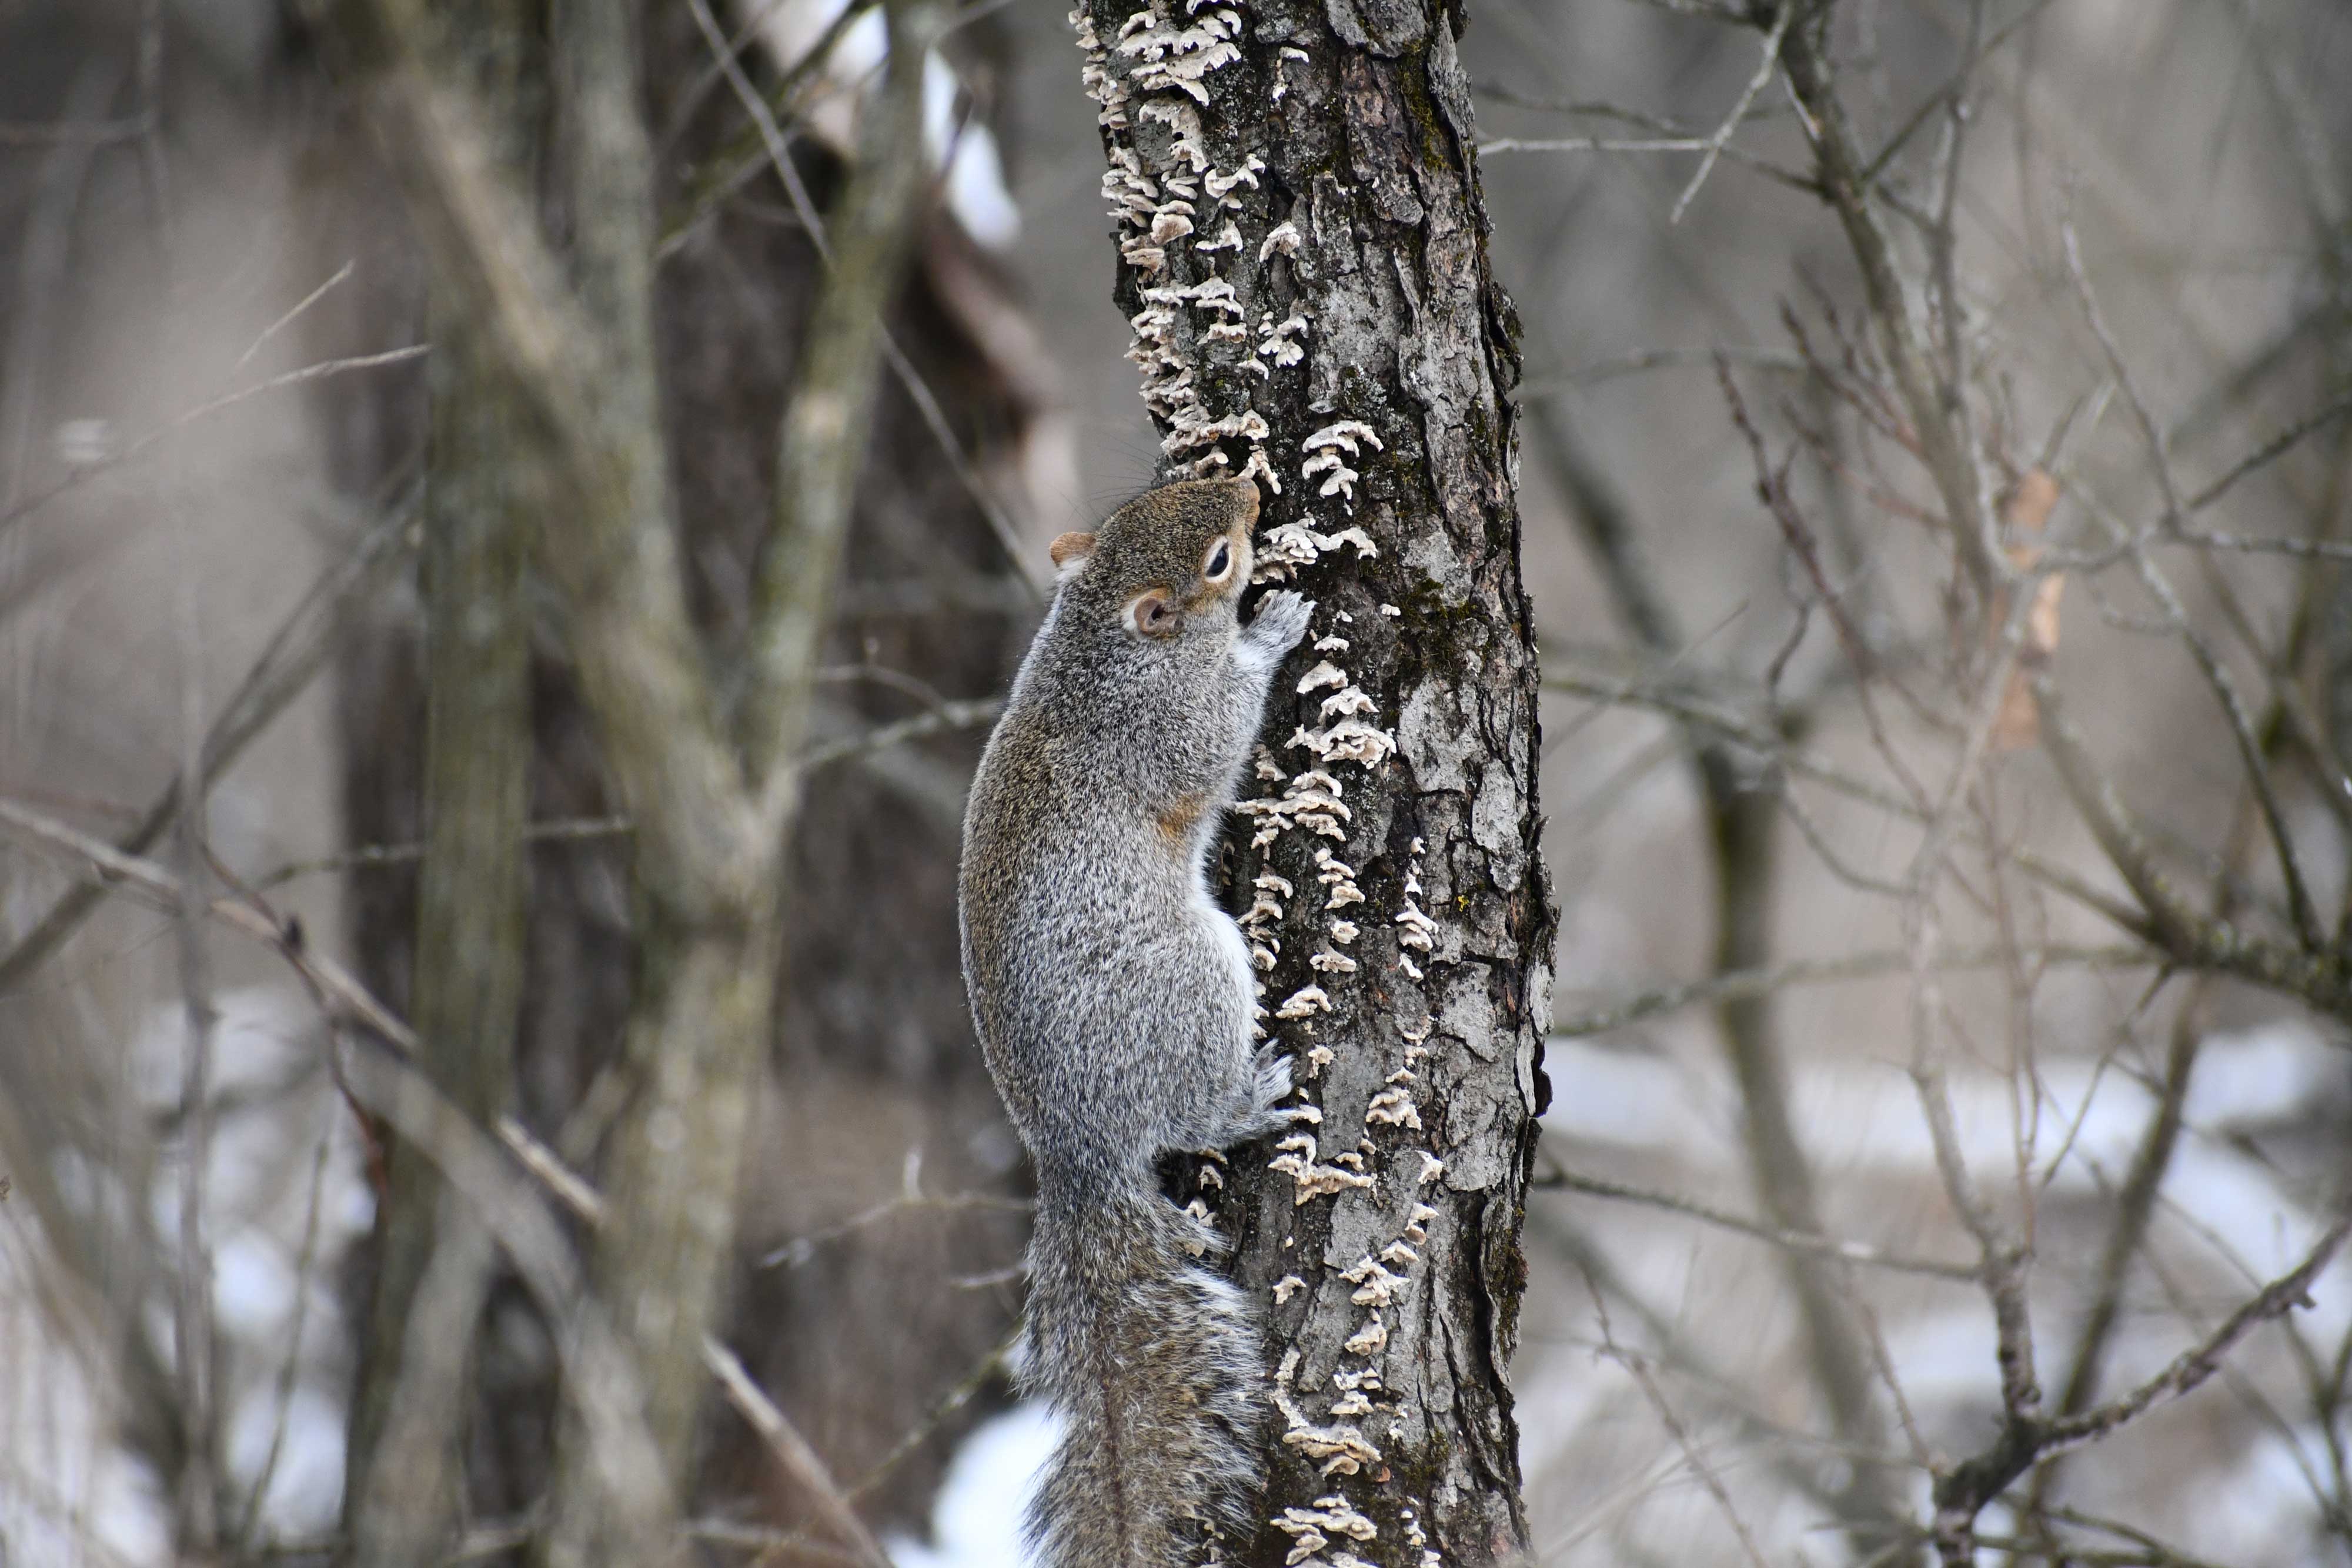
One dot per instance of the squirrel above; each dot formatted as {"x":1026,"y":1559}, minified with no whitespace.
{"x":1115,"y":1004}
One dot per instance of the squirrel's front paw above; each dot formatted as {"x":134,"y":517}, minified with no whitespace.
{"x":1280,"y":621}
{"x":1252,"y":1113}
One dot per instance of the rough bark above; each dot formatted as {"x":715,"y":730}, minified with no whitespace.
{"x":1304,"y":257}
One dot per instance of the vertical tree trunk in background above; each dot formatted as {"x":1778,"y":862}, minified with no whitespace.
{"x":1304,"y":257}
{"x":434,"y":1273}
{"x":875,"y":1062}
{"x":703,"y":985}
{"x":409,"y":1409}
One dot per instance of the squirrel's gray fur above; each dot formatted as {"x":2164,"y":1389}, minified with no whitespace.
{"x":1114,"y":1001}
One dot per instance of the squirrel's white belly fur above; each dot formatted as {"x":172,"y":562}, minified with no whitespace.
{"x":1235,"y":945}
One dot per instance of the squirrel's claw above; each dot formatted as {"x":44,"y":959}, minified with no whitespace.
{"x":1280,"y":622}
{"x":1274,"y":1079}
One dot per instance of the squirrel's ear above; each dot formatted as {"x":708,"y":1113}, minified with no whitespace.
{"x":1070,"y":551}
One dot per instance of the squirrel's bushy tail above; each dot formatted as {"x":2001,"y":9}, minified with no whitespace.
{"x":1153,"y":1362}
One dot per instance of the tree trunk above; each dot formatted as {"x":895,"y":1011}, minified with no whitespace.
{"x":872,"y":1062}
{"x":1304,"y":257}
{"x":404,"y":1499}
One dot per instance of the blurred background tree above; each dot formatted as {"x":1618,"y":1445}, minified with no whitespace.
{"x":1935,"y":490}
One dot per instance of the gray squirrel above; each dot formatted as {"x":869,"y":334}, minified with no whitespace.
{"x":1114,"y":1001}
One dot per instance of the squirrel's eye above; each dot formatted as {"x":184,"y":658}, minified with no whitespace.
{"x":1220,"y":561}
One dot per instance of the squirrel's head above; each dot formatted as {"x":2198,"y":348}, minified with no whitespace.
{"x":1172,"y":560}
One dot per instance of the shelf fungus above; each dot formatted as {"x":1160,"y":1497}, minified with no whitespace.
{"x":1303,"y":1002}
{"x":1221,"y":186}
{"x":1311,"y":801}
{"x":1171,"y":59}
{"x":1370,"y":1340}
{"x":1375,"y":1285}
{"x":1338,"y":879}
{"x":1311,"y":1529}
{"x":1311,"y":1179}
{"x":1343,"y":1449}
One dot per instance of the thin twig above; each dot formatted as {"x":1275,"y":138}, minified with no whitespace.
{"x":84,"y":473}
{"x":346,"y":996}
{"x":2305,"y":911}
{"x":791,"y":1450}
{"x":2192,"y":1366}
{"x":1638,"y":1368}
{"x":1805,"y":1241}
{"x":567,"y":830}
{"x":1537,"y":389}
{"x":301,"y":646}
{"x":1691,"y":708}
{"x":2304,"y":549}
{"x":801,"y":1249}
{"x":946,"y":717}
{"x":341,"y":273}
{"x":1770,"y":980}
{"x":990,"y":1366}
{"x":2271,"y":451}
{"x":1595,"y":144}
{"x":1715,"y":144}
{"x":305,"y":1258}
{"x":1952,"y":91}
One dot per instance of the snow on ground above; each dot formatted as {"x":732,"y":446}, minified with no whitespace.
{"x":976,"y":1521}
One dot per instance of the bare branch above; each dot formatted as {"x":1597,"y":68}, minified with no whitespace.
{"x":1715,"y":144}
{"x":83,"y":473}
{"x":1771,"y":979}
{"x":1953,"y":90}
{"x":2225,"y":690}
{"x":772,"y":136}
{"x":1966,"y":506}
{"x":2192,"y":1366}
{"x":1778,"y":1236}
{"x":799,"y":1461}
{"x":817,"y":469}
{"x":294,"y":654}
{"x":604,"y":1383}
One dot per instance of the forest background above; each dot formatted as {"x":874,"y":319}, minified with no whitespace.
{"x":1934,"y":499}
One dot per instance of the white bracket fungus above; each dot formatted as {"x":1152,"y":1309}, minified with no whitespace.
{"x":1344,"y":1450}
{"x":1303,"y":1002}
{"x":1375,"y":1286}
{"x":1310,"y":1179}
{"x":1370,"y":1340}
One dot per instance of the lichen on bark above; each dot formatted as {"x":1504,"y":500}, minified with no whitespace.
{"x":1303,"y":257}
